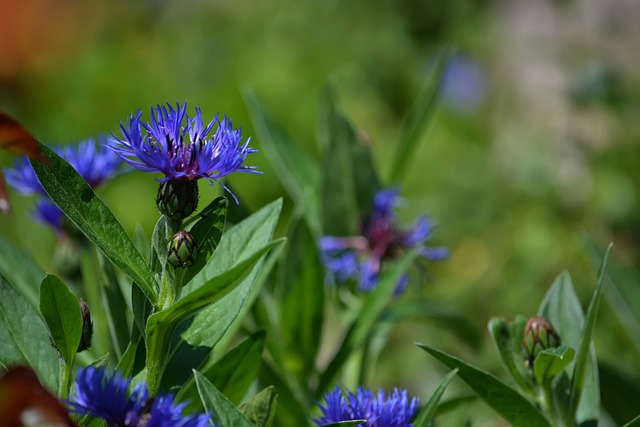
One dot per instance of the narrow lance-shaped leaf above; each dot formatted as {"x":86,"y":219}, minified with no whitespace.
{"x":217,"y":403}
{"x":366,"y":319}
{"x":583,"y":351}
{"x":508,"y":346}
{"x":429,"y":410}
{"x":506,"y":401}
{"x":20,"y":270}
{"x":82,"y":206}
{"x":61,"y":312}
{"x":261,"y":408}
{"x":419,"y":117}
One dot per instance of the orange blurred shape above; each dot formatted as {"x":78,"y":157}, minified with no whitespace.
{"x":24,"y":402}
{"x":16,"y":139}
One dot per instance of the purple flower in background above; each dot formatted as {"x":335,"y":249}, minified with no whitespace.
{"x":361,"y":257}
{"x":181,"y":147}
{"x":106,"y":395}
{"x":380,"y":410}
{"x":91,"y":159}
{"x":464,"y":84}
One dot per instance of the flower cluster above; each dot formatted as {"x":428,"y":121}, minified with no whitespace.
{"x":104,"y":395}
{"x":380,"y":410}
{"x":90,"y":158}
{"x":361,"y":257}
{"x":182,"y":148}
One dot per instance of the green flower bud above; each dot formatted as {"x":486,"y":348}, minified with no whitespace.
{"x":87,"y":326}
{"x":178,"y":197}
{"x":538,"y":335}
{"x":183,"y":250}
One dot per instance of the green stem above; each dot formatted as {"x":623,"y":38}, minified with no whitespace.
{"x":65,"y":379}
{"x":548,"y":402}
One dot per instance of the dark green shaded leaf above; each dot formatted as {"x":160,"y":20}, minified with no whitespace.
{"x":61,"y":312}
{"x":216,"y":403}
{"x":232,"y":374}
{"x":24,"y":337}
{"x":633,"y":423}
{"x":21,"y":271}
{"x":507,"y":337}
{"x":82,"y":206}
{"x":297,"y":171}
{"x":301,"y":286}
{"x":419,"y":117}
{"x":506,"y":401}
{"x":371,"y":309}
{"x":429,"y":410}
{"x":261,"y":408}
{"x":616,"y":387}
{"x":551,"y":362}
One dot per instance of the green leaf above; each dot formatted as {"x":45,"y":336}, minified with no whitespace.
{"x":298,"y":172}
{"x":551,"y":362}
{"x":347,"y":186}
{"x":508,"y":337}
{"x":162,"y":324}
{"x":209,"y":326}
{"x":293,"y":406}
{"x":24,"y":337}
{"x":21,"y":271}
{"x":61,"y":312}
{"x":506,"y":401}
{"x":82,"y":206}
{"x":562,"y":308}
{"x":580,"y":369}
{"x":419,"y":117}
{"x":373,"y":305}
{"x":301,"y":290}
{"x":261,"y":409}
{"x":429,"y":410}
{"x":214,"y":401}
{"x":207,"y":232}
{"x":232,"y":374}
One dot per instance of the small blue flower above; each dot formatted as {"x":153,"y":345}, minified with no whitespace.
{"x":464,"y":84}
{"x":380,"y":410}
{"x":181,"y":147}
{"x":106,"y":395}
{"x":90,"y":158}
{"x":361,"y":257}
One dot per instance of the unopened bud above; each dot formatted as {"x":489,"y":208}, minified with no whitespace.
{"x":183,"y":250}
{"x":538,"y":335}
{"x":178,"y":197}
{"x":87,"y":326}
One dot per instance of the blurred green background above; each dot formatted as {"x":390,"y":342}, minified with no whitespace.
{"x":534,"y":145}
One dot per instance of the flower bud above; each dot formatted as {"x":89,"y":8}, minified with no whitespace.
{"x":177,"y":197}
{"x":538,"y":335}
{"x":87,"y":326}
{"x":183,"y":250}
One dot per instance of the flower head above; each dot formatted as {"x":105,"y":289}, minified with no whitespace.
{"x":182,"y":147}
{"x":361,"y":257}
{"x":90,"y":158}
{"x":380,"y":410}
{"x":104,"y":395}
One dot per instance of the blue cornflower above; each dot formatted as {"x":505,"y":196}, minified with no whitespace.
{"x":464,"y":84}
{"x":181,"y":147}
{"x":184,"y":150}
{"x":90,"y":158}
{"x":380,"y":410}
{"x":361,"y":257}
{"x":106,"y":395}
